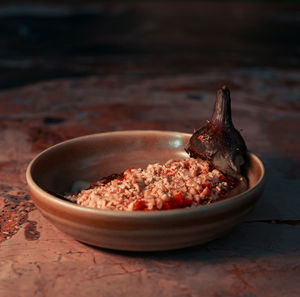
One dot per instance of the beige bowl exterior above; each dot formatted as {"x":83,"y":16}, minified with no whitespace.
{"x":92,"y":157}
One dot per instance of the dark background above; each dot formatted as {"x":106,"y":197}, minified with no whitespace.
{"x":43,"y":40}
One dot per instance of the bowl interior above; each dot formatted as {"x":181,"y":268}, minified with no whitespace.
{"x":92,"y":157}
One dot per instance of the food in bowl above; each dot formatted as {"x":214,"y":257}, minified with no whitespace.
{"x":90,"y":157}
{"x":219,"y":142}
{"x":176,"y":184}
{"x":215,"y":170}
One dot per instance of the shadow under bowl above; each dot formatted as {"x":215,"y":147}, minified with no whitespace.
{"x":91,"y":157}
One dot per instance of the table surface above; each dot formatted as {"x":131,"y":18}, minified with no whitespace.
{"x":67,"y":71}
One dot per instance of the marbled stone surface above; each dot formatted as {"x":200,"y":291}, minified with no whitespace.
{"x":67,"y":71}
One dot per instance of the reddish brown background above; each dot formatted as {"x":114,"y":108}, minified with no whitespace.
{"x":70,"y":70}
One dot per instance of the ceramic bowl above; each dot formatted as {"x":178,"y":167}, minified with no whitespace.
{"x":91,"y":157}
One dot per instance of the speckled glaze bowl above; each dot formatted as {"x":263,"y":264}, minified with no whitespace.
{"x":91,"y":157}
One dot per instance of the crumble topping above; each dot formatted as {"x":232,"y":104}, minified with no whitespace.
{"x":176,"y":184}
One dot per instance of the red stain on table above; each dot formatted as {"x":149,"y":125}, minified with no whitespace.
{"x":14,"y":213}
{"x":30,"y":231}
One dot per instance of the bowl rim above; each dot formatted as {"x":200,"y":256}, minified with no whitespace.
{"x":128,"y":214}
